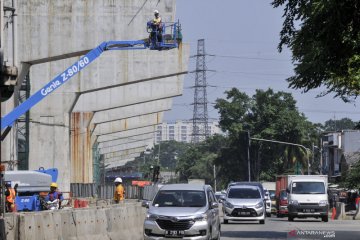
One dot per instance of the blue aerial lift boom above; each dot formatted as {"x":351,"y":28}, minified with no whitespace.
{"x":170,"y":35}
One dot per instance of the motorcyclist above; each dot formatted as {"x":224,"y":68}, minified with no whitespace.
{"x":54,"y":194}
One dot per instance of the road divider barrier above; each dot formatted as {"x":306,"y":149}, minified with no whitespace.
{"x":120,"y":221}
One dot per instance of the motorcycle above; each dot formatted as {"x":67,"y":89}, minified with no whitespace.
{"x":50,"y":205}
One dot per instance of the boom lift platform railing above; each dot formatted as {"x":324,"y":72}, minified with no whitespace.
{"x":170,"y":38}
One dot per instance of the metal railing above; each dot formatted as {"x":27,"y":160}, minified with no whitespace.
{"x":85,"y":190}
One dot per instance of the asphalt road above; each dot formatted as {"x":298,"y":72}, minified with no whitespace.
{"x":280,"y":228}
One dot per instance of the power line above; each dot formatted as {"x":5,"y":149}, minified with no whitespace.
{"x":244,"y":57}
{"x":255,"y":73}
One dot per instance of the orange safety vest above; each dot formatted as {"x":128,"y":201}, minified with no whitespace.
{"x":11,"y":197}
{"x":119,"y":193}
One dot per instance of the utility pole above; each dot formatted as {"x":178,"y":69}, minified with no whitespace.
{"x":248,"y":153}
{"x":2,"y":169}
{"x":313,"y":157}
{"x":215,"y":177}
{"x":321,"y":156}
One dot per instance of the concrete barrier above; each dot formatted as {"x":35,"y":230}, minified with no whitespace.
{"x":121,"y":221}
{"x":340,"y":211}
{"x":357,"y":214}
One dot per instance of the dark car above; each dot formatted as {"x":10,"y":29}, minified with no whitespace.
{"x":282,"y":204}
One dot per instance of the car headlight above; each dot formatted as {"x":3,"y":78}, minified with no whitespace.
{"x":259,"y":205}
{"x":323,"y":203}
{"x":201,"y":217}
{"x":151,"y":217}
{"x":228,"y":204}
{"x":294,"y":202}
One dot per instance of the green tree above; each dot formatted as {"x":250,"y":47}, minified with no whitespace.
{"x":352,"y":180}
{"x":324,"y":37}
{"x":266,"y":115}
{"x":337,"y":125}
{"x":199,"y":159}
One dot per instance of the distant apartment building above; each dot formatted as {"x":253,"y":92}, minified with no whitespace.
{"x":181,"y":131}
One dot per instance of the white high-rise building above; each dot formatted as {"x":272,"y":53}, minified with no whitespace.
{"x":181,"y":131}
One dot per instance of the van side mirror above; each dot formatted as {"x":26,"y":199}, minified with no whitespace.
{"x":214,"y":205}
{"x":145,"y":203}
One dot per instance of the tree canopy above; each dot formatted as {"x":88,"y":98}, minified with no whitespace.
{"x":324,"y":37}
{"x":337,"y":125}
{"x":266,"y":115}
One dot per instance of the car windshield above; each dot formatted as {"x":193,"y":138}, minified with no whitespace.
{"x":247,"y":193}
{"x":180,"y":198}
{"x":308,"y":188}
{"x":283,"y":195}
{"x":272,"y":194}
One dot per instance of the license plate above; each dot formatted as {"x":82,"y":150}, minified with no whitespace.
{"x":174,"y":233}
{"x":244,"y":213}
{"x":308,"y":210}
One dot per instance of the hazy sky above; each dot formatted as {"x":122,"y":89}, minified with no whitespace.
{"x":244,"y":34}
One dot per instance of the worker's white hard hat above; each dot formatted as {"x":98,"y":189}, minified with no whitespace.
{"x":156,"y":12}
{"x":118,"y":180}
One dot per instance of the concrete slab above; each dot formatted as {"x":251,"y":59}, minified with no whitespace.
{"x":125,"y":134}
{"x":129,"y":144}
{"x":120,"y":141}
{"x":130,"y":123}
{"x":124,"y":152}
{"x":132,"y":111}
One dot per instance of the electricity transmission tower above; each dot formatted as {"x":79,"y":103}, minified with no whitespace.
{"x":200,"y":114}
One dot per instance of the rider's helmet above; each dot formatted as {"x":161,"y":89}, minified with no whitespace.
{"x":53,"y":185}
{"x":118,"y":180}
{"x":156,"y":12}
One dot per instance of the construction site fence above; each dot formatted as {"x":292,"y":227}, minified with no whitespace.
{"x":85,"y":190}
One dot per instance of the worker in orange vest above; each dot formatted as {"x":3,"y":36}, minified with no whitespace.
{"x":119,"y":193}
{"x":10,"y":194}
{"x":357,"y":201}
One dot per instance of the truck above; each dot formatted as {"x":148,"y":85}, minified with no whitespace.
{"x":281,"y":195}
{"x":196,"y":181}
{"x":307,"y":196}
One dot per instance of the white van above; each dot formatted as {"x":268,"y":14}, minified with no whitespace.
{"x":307,"y":196}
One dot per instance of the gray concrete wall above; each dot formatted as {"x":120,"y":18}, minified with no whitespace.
{"x":47,"y":28}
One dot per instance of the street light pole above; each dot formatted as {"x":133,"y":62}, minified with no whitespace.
{"x":287,"y":143}
{"x":215,"y":177}
{"x":248,"y":153}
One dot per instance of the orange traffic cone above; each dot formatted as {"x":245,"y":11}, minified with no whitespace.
{"x":333,"y":214}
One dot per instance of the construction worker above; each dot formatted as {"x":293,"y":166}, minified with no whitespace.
{"x":156,"y":25}
{"x":54,"y":194}
{"x":357,"y":201}
{"x":119,"y":193}
{"x":10,"y":194}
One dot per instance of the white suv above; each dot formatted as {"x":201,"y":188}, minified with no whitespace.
{"x":244,"y":203}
